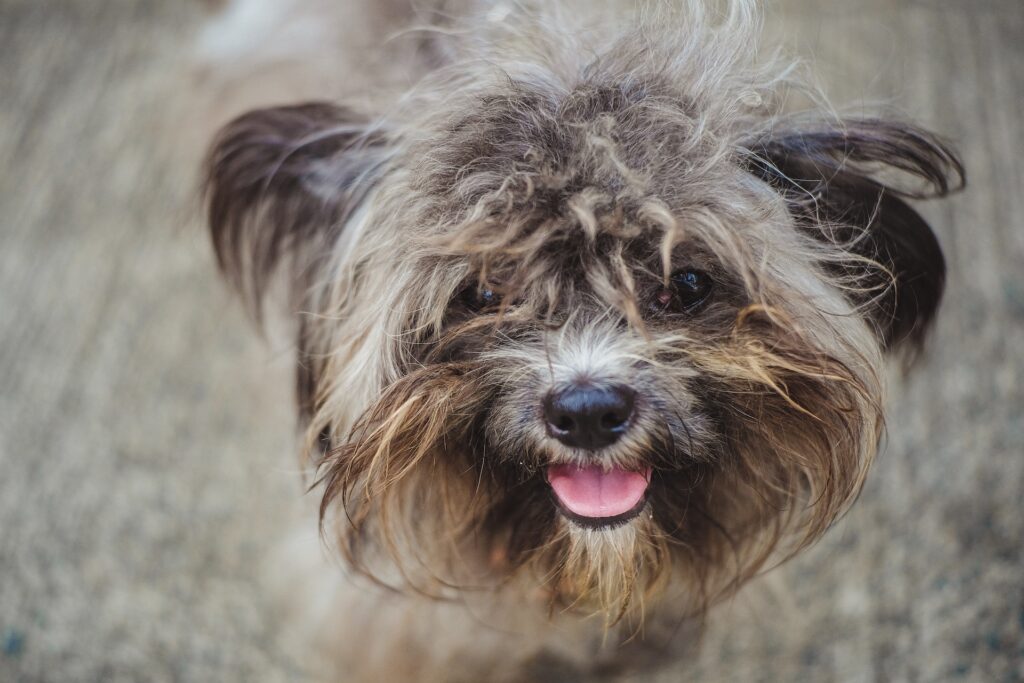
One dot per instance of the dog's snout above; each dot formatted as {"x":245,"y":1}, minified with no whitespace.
{"x":587,"y":416}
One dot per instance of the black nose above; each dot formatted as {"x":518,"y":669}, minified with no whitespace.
{"x":585,"y":416}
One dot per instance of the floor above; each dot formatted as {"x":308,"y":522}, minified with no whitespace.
{"x":145,"y":430}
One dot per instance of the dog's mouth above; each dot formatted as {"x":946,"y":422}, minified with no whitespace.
{"x":596,"y":496}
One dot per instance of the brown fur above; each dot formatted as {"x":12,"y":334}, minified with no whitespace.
{"x":573,"y":183}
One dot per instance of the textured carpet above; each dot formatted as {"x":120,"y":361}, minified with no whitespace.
{"x":146,"y":433}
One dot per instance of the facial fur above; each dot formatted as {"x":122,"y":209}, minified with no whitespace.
{"x":518,"y":225}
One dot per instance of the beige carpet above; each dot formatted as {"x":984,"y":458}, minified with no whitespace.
{"x":146,"y":432}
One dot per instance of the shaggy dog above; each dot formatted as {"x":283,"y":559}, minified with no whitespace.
{"x":590,"y":322}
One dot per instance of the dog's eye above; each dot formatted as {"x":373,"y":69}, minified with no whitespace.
{"x":690,"y":289}
{"x":479,"y":299}
{"x":487,"y":297}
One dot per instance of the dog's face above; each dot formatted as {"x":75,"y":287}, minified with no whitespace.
{"x":617,"y":331}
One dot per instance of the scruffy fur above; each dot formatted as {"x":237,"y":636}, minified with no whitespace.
{"x":569,"y":158}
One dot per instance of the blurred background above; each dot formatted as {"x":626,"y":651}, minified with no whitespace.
{"x":146,"y":432}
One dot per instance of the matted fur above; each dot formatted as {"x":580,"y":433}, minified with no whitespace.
{"x":570,"y":158}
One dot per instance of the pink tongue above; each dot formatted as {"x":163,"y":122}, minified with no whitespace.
{"x":594,"y":492}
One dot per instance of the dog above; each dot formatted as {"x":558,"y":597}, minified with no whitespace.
{"x":591,"y":326}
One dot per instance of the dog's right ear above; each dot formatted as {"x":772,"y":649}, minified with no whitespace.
{"x":829,"y":174}
{"x":280,"y":183}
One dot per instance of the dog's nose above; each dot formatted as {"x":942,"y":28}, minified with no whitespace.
{"x":590,"y":417}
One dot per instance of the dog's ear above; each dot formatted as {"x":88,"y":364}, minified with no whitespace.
{"x":280,"y":183}
{"x":829,"y":177}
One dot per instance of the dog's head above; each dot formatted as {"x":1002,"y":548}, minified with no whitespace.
{"x":615,"y":324}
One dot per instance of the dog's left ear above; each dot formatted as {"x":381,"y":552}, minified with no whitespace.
{"x":280,"y":183}
{"x":827,"y":173}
